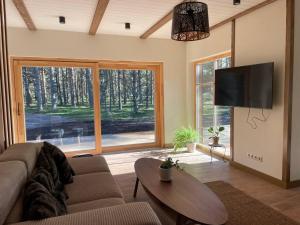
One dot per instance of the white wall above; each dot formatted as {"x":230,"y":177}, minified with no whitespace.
{"x":219,"y":41}
{"x":295,"y":144}
{"x":60,"y":44}
{"x":260,"y":37}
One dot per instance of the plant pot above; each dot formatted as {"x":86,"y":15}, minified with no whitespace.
{"x":165,"y":174}
{"x":215,"y":140}
{"x":191,"y":147}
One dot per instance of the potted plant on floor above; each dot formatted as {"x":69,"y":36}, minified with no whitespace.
{"x":215,"y":134}
{"x":165,"y":169}
{"x":185,"y":137}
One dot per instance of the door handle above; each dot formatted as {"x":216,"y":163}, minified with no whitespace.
{"x":18,"y":109}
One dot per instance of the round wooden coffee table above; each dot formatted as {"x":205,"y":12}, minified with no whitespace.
{"x":187,"y":196}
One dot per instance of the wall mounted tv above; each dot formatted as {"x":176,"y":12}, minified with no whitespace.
{"x":246,"y":86}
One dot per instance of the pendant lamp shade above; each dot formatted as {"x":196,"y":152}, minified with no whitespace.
{"x":190,"y":21}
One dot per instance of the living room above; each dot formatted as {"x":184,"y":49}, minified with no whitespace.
{"x":104,"y":82}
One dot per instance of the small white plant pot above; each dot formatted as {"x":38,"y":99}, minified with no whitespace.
{"x":191,"y":147}
{"x":165,"y":174}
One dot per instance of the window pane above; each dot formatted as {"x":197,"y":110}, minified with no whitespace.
{"x":207,"y":110}
{"x":198,"y":74}
{"x":59,"y":106}
{"x":127,"y":107}
{"x":207,"y":114}
{"x":223,"y":118}
{"x":208,"y":72}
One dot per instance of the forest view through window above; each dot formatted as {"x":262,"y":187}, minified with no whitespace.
{"x":59,"y":106}
{"x":207,"y":114}
{"x":127,"y":107}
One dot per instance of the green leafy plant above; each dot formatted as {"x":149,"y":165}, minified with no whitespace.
{"x":216,"y":131}
{"x":169,"y":163}
{"x":184,"y":136}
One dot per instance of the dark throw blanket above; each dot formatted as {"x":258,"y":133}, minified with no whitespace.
{"x":44,"y":194}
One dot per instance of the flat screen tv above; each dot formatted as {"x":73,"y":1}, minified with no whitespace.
{"x":246,"y":86}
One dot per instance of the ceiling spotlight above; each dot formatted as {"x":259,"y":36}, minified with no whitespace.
{"x":62,"y":20}
{"x":127,"y":26}
{"x":236,"y":2}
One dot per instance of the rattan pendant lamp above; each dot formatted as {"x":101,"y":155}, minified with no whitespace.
{"x":190,"y":21}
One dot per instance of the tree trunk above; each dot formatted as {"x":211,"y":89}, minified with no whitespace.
{"x":63,"y":77}
{"x":147,"y":89}
{"x":110,"y":90}
{"x":53,"y":89}
{"x":71,"y":85}
{"x":58,"y":75}
{"x":151,"y":88}
{"x":134,"y":91}
{"x":140,"y":88}
{"x":89,"y":87}
{"x":43,"y":85}
{"x":28,"y":98}
{"x":119,"y":91}
{"x":36,"y":73}
{"x":124,"y":88}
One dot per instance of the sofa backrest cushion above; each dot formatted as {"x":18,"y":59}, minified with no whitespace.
{"x":26,"y":152}
{"x":13,"y":177}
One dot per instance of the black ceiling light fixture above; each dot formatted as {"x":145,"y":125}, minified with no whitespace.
{"x":190,"y":21}
{"x":62,"y":19}
{"x":236,"y":2}
{"x":127,"y":26}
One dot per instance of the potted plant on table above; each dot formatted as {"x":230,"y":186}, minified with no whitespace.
{"x":185,"y":137}
{"x":215,"y":134}
{"x":165,"y":169}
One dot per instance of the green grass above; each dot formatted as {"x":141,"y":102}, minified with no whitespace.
{"x":67,"y":111}
{"x":87,"y":113}
{"x":127,"y":113}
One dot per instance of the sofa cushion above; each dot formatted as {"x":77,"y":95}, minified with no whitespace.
{"x":13,"y":177}
{"x":93,"y":186}
{"x":26,"y":153}
{"x":84,"y":165}
{"x":16,"y":214}
{"x":127,"y":214}
{"x":39,"y":203}
{"x":66,"y":172}
{"x":101,"y":203}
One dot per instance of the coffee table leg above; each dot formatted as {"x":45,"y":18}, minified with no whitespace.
{"x":136,"y":187}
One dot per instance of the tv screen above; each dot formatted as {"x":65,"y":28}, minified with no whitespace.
{"x":245,"y":86}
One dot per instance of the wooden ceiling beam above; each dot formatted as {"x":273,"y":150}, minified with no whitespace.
{"x":99,"y":12}
{"x":157,"y":25}
{"x":169,"y":16}
{"x":24,"y":14}
{"x":243,"y":13}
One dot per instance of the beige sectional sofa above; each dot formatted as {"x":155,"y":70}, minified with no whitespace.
{"x":94,"y":196}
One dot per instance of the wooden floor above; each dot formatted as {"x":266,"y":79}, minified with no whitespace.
{"x":198,"y":164}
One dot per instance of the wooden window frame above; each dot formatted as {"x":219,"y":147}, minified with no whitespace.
{"x":95,"y":65}
{"x":202,"y":61}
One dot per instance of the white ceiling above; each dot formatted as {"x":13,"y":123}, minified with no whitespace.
{"x":142,"y":14}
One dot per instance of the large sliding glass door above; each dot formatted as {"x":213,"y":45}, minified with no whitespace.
{"x":87,"y":107}
{"x":130,"y":105}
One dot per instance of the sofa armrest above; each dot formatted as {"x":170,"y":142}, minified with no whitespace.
{"x":127,"y":214}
